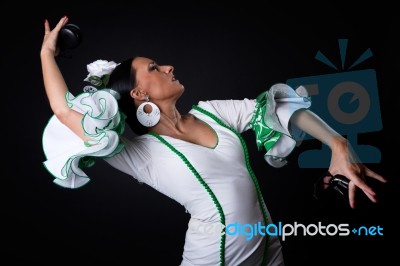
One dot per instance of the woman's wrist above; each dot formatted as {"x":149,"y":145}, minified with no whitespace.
{"x":339,"y":144}
{"x":46,"y":52}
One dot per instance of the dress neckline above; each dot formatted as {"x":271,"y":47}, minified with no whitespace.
{"x":202,"y":146}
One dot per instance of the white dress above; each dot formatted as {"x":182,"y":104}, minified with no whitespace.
{"x":215,"y":185}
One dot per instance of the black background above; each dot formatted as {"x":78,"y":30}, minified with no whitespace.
{"x":219,"y":52}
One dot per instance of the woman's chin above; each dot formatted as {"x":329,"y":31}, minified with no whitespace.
{"x":181,"y":91}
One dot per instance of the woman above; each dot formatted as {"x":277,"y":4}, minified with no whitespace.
{"x":198,"y":159}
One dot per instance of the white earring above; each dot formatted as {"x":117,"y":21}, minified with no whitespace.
{"x":148,"y":119}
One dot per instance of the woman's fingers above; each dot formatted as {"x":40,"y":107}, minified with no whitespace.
{"x":372,"y":174}
{"x":352,"y":194}
{"x":46,"y":27}
{"x":63,"y":21}
{"x":371,"y":197}
{"x":359,"y":182}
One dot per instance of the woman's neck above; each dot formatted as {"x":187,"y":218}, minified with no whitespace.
{"x":170,"y":116}
{"x":170,"y":121}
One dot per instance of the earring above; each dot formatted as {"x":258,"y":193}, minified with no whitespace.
{"x":148,"y":119}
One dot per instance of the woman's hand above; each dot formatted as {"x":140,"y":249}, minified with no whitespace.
{"x":49,"y":44}
{"x":344,"y":161}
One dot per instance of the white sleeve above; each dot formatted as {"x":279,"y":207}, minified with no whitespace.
{"x":235,"y":113}
{"x":133,"y":160}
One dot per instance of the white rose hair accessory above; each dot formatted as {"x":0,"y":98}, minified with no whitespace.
{"x":99,"y":75}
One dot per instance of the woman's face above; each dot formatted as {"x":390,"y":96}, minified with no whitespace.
{"x":158,"y":82}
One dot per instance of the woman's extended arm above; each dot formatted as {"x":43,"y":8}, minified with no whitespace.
{"x":343,"y":161}
{"x":54,"y":82}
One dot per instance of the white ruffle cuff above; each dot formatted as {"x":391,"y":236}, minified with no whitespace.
{"x":66,"y":153}
{"x":271,"y":119}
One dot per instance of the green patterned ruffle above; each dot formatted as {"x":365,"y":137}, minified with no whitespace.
{"x":270,"y":121}
{"x":265,"y":136}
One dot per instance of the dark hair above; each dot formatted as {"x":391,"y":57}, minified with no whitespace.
{"x":123,"y":80}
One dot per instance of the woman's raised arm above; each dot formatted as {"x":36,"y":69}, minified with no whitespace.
{"x":54,"y":82}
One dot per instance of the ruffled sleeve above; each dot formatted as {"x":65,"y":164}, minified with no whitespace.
{"x":66,"y":154}
{"x":271,"y":121}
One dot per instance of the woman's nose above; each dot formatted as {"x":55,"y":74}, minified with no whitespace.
{"x":168,"y":69}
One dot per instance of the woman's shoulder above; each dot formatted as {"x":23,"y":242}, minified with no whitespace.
{"x":203,"y":107}
{"x":209,"y":105}
{"x":219,"y":107}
